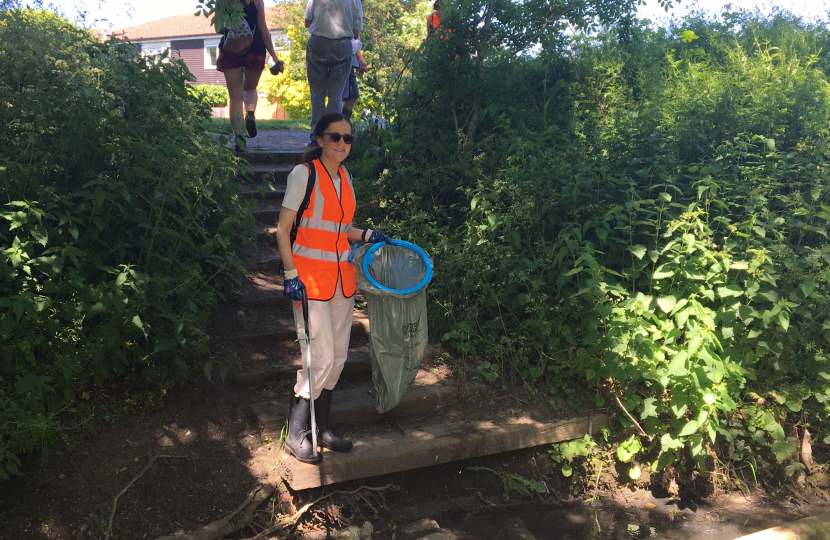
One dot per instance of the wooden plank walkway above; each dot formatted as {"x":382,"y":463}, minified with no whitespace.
{"x":432,"y":445}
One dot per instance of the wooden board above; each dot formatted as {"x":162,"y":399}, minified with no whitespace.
{"x":286,"y":330}
{"x":356,"y":405}
{"x":274,"y":157}
{"x":276,"y":174}
{"x":263,"y":265}
{"x":433,"y":445}
{"x":253,"y":192}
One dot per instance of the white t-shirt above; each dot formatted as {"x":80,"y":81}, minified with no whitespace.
{"x":298,"y":183}
{"x":356,"y":46}
{"x":334,"y":19}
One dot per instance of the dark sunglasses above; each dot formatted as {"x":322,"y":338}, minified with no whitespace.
{"x":335,"y":137}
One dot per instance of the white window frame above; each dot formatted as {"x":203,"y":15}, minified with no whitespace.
{"x":207,"y":44}
{"x":156,"y":47}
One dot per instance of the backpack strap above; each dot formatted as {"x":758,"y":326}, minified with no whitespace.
{"x":312,"y":178}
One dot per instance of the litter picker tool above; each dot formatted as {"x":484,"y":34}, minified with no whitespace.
{"x":310,"y":375}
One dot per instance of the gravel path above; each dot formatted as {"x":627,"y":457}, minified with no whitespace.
{"x":279,"y":140}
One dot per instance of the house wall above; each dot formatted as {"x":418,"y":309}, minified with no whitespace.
{"x":192,"y":51}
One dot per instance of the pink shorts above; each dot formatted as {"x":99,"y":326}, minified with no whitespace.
{"x":253,"y":62}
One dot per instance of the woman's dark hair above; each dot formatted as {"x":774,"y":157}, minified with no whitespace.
{"x":314,"y":152}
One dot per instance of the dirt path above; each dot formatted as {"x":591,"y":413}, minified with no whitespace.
{"x":278,"y":140}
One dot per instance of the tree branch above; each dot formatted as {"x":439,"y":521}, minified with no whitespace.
{"x":152,"y":461}
{"x":640,"y":430}
{"x":225,"y":526}
{"x":283,"y":523}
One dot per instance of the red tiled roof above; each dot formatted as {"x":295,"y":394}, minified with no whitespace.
{"x":181,"y":26}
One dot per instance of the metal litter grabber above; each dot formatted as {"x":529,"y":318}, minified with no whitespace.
{"x":310,"y":375}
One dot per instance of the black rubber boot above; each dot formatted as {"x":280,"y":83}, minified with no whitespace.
{"x":322,"y":406}
{"x":250,"y":124}
{"x":298,"y":443}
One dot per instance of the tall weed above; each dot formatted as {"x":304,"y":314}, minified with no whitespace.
{"x":663,"y":238}
{"x":121,"y":226}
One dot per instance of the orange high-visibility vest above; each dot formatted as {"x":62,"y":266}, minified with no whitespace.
{"x":434,"y":23}
{"x":321,"y":250}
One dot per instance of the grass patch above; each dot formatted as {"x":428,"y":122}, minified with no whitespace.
{"x":223,"y":125}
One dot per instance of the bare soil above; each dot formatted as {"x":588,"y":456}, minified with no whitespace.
{"x":214,"y":455}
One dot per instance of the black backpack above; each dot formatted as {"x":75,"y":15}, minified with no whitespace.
{"x":312,"y":178}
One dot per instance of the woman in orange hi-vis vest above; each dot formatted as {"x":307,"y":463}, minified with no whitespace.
{"x":316,"y":260}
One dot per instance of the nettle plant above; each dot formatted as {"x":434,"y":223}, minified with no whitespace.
{"x":682,"y":309}
{"x":121,"y":227}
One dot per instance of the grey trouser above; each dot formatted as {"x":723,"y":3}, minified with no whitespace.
{"x":328,"y":63}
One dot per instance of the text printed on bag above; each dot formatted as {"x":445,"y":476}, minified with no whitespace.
{"x":411,"y":329}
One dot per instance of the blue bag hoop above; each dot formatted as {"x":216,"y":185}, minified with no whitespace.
{"x":369,"y":256}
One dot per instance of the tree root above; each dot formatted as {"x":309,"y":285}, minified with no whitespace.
{"x":152,"y":461}
{"x":230,"y":524}
{"x":292,"y":519}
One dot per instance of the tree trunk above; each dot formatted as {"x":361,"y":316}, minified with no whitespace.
{"x":481,"y":51}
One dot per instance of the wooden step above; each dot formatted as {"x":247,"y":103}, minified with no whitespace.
{"x":268,"y":216}
{"x":266,"y":233}
{"x":252,"y":191}
{"x":357,"y":361}
{"x":274,"y":157}
{"x":354,"y":405}
{"x":276,"y":174}
{"x":283,"y":328}
{"x":268,"y":211}
{"x":274,"y":299}
{"x":394,"y":452}
{"x":269,"y":263}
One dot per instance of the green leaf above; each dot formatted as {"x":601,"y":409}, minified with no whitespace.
{"x":667,"y":442}
{"x":649,"y":408}
{"x":784,"y":320}
{"x":677,"y":367}
{"x":137,"y":322}
{"x":629,"y":448}
{"x":730,"y":291}
{"x":784,"y":449}
{"x":639,"y":250}
{"x":687,"y":36}
{"x":690,"y":428}
{"x":659,"y":273}
{"x":567,"y":471}
{"x":634,"y":473}
{"x":667,"y":303}
{"x":122,"y":277}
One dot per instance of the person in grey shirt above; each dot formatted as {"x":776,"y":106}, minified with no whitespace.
{"x":332,"y":25}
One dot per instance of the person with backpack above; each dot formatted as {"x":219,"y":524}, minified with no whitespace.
{"x":241,"y":59}
{"x":314,"y":234}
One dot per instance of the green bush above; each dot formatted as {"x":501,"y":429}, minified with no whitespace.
{"x":641,"y":212}
{"x":121,"y":226}
{"x":212,"y":95}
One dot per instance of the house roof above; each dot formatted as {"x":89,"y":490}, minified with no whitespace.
{"x":184,"y":26}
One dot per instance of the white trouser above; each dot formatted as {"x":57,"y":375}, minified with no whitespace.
{"x":331,"y":329}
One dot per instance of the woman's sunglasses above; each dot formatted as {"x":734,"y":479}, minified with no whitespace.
{"x":335,"y":137}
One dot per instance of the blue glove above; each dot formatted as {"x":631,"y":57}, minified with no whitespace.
{"x":378,"y":236}
{"x":293,"y":288}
